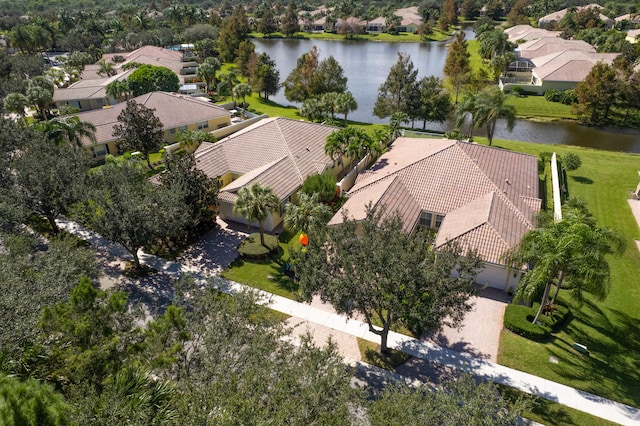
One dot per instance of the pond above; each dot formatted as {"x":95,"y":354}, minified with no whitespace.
{"x":367,"y":64}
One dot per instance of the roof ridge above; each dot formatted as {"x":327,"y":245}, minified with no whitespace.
{"x":288,"y":148}
{"x":515,"y":209}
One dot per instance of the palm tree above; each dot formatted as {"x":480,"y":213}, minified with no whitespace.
{"x":491,"y":105}
{"x":16,"y":103}
{"x":107,"y":68}
{"x":117,"y":89}
{"x":570,"y":251}
{"x":345,"y":103}
{"x":352,"y":142}
{"x":69,"y":130}
{"x":465,"y":108}
{"x":308,"y":215}
{"x":255,"y":203}
{"x":241,"y":91}
{"x":207,"y":71}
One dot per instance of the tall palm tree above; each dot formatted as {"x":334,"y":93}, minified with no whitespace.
{"x":353,"y":142}
{"x":107,"y":68}
{"x":207,"y":70}
{"x":308,"y":215}
{"x":255,"y":203}
{"x":117,"y":89}
{"x":69,"y":130}
{"x":16,"y":103}
{"x":345,"y":103}
{"x":572,"y":252}
{"x":490,"y":106}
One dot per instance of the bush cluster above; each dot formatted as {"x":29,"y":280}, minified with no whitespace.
{"x":566,"y":97}
{"x":517,"y":318}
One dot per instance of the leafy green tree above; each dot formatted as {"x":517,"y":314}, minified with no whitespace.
{"x":31,"y":403}
{"x":138,"y":129}
{"x":308,"y":215}
{"x":265,"y":77}
{"x":519,"y":13}
{"x":396,"y":93}
{"x":255,"y":203}
{"x":328,"y":78}
{"x":190,"y":140}
{"x":206,"y":48}
{"x":126,"y":208}
{"x":435,"y":103}
{"x":570,"y":253}
{"x":149,"y":78}
{"x":244,"y":53}
{"x":267,"y":25}
{"x":234,"y":30}
{"x":46,"y":177}
{"x":289,"y":23}
{"x":228,"y":80}
{"x":199,"y":32}
{"x":312,"y":109}
{"x":33,"y":276}
{"x":299,"y":83}
{"x":457,"y":67}
{"x":78,"y":60}
{"x":448,"y":15}
{"x":16,"y":103}
{"x":377,"y":270}
{"x":194,"y":189}
{"x":40,"y":94}
{"x":571,"y":161}
{"x":597,"y":94}
{"x":453,"y":402}
{"x":70,"y":130}
{"x":323,"y":184}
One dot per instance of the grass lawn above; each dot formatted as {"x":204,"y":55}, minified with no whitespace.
{"x":538,"y":106}
{"x":267,"y":274}
{"x":610,"y":328}
{"x":370,"y":353}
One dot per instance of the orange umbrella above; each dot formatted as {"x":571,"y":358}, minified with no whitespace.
{"x":304,"y":239}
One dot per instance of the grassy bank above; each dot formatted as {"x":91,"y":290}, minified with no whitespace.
{"x":539,"y":109}
{"x":607,"y":328}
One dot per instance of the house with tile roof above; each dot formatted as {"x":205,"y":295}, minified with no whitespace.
{"x":279,"y":153}
{"x":547,"y":45}
{"x":90,"y":91}
{"x":482,"y":198}
{"x":632,"y":36}
{"x":524,"y":33}
{"x":176,"y":113}
{"x":556,"y":17}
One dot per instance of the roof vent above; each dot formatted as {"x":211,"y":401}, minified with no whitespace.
{"x":507,"y":181}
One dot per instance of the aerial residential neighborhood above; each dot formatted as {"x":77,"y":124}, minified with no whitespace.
{"x":345,"y":213}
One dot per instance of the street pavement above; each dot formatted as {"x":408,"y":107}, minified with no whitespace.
{"x":420,"y":349}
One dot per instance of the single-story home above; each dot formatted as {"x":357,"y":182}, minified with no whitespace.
{"x":88,"y":94}
{"x":410,"y":19}
{"x":176,"y":113}
{"x":377,"y":25}
{"x":561,"y":70}
{"x":556,"y":17}
{"x":632,"y":18}
{"x":482,"y":198}
{"x":278,"y":152}
{"x":524,"y":33}
{"x":632,"y":36}
{"x":545,"y":46}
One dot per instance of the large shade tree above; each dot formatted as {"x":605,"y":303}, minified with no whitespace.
{"x":138,"y":129}
{"x":375,"y":269}
{"x":398,"y":90}
{"x":255,"y":203}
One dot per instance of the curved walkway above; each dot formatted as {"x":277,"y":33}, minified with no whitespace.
{"x":556,"y":392}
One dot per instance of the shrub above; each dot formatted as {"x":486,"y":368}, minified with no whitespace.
{"x":517,"y":91}
{"x":323,"y":184}
{"x":552,"y":95}
{"x":567,"y":97}
{"x":571,"y":161}
{"x":517,"y":318}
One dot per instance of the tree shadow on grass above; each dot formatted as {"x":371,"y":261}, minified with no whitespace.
{"x":583,"y":180}
{"x":612,"y":369}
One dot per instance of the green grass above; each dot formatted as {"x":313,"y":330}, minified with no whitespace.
{"x":252,"y":247}
{"x":608,"y":328}
{"x":267,"y":274}
{"x":551,"y":413}
{"x":538,"y":107}
{"x":370,"y":353}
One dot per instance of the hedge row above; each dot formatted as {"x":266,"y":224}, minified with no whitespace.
{"x":517,"y":318}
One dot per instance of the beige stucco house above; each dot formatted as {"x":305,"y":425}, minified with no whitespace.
{"x":523,"y":33}
{"x":482,"y":198}
{"x":176,"y":112}
{"x":556,"y":17}
{"x":278,"y":152}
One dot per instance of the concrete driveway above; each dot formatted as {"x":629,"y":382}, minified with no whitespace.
{"x":479,"y":335}
{"x":216,"y":249}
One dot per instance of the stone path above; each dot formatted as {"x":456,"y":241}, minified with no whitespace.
{"x":424,"y":350}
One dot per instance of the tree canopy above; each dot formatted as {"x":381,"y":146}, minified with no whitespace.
{"x":138,"y":129}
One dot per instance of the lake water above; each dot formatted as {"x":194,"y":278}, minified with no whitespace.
{"x":367,"y":64}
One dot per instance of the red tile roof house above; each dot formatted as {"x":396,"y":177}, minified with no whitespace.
{"x":483,"y":198}
{"x":176,"y":112}
{"x":278,"y":152}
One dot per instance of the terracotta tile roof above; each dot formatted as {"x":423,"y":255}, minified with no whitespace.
{"x":557,"y":16}
{"x":489,"y":196}
{"x":570,"y":65}
{"x":277,"y":152}
{"x":88,"y":88}
{"x":548,"y":45}
{"x":172,"y":109}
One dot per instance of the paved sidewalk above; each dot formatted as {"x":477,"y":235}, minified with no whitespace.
{"x":580,"y":400}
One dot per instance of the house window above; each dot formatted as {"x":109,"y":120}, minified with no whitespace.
{"x":425,"y":219}
{"x":172,"y":131}
{"x":203,"y":125}
{"x":182,"y":128}
{"x":439,"y":219}
{"x":99,"y":151}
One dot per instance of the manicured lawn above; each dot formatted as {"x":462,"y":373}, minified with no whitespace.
{"x":267,"y":274}
{"x":610,"y":328}
{"x":538,"y":106}
{"x":370,"y":353}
